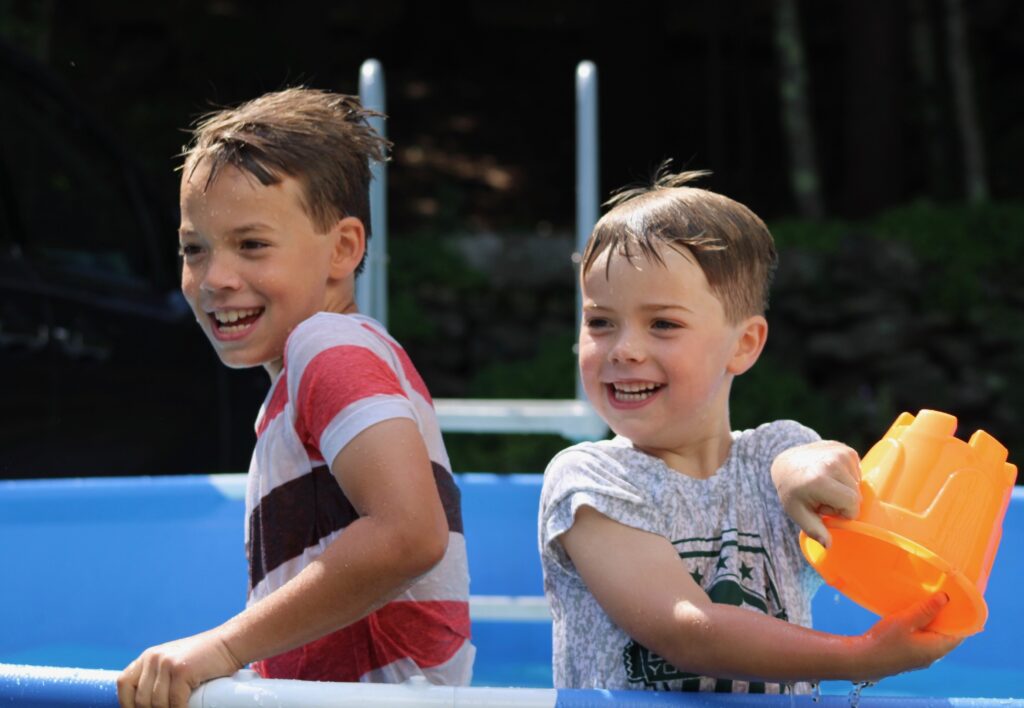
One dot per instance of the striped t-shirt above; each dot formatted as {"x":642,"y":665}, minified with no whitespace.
{"x":341,"y":375}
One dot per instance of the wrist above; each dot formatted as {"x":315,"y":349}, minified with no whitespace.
{"x":856,"y":659}
{"x":230,"y":638}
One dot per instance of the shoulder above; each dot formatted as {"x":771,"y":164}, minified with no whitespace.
{"x":605,"y":462}
{"x":326,"y":329}
{"x":768,"y":440}
{"x":342,"y":335}
{"x":609,"y":475}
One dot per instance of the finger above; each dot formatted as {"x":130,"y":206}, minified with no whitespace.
{"x":180,"y":692}
{"x":843,"y":500}
{"x":921,"y":615}
{"x":144,"y":687}
{"x":853,"y":465}
{"x":813,"y":526}
{"x":845,"y":468}
{"x":161,"y":686}
{"x":126,"y":683}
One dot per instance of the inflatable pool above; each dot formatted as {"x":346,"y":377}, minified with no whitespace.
{"x":96,"y":570}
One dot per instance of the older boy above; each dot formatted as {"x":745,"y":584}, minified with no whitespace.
{"x":357,"y":564}
{"x":668,"y":560}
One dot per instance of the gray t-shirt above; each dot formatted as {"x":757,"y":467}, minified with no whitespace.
{"x":729,"y":530}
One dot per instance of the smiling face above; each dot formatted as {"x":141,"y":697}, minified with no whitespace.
{"x":254,"y":266}
{"x":657,"y":353}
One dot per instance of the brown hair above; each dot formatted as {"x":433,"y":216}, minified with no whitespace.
{"x":729,"y":242}
{"x":322,"y":139}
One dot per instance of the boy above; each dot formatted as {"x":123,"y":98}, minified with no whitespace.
{"x":657,"y":544}
{"x":357,"y":564}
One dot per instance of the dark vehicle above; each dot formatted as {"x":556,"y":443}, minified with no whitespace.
{"x":105,"y":370}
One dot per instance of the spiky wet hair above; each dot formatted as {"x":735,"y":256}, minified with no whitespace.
{"x":320,"y":138}
{"x":729,"y":242}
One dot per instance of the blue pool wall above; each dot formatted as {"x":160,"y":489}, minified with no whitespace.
{"x":96,"y":570}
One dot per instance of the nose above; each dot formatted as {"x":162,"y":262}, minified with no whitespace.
{"x":218,"y":273}
{"x":627,"y":347}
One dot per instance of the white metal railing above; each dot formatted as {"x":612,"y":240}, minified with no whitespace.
{"x":571,"y":418}
{"x":372,"y":285}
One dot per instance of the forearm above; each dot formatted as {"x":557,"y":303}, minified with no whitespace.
{"x":361,"y":570}
{"x":731,"y":642}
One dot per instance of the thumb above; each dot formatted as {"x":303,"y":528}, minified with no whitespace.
{"x":921,"y":615}
{"x":813,"y":526}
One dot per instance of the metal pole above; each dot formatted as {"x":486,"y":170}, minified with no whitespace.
{"x":587,"y":189}
{"x":372,"y":284}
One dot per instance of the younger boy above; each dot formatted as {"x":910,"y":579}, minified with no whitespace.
{"x":668,"y":560}
{"x":357,"y":563}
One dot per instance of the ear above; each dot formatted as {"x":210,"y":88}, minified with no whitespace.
{"x":348,"y":244}
{"x":752,"y":334}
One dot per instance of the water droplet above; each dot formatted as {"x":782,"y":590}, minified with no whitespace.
{"x":855,"y":692}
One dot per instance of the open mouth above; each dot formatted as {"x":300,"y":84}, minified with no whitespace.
{"x":234,"y":321}
{"x":633,"y":392}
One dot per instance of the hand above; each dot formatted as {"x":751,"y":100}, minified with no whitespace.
{"x":818,"y":478}
{"x":899,"y":642}
{"x":166,"y":675}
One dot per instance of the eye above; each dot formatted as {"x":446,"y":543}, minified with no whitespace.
{"x":189,"y":249}
{"x":596,"y":323}
{"x":665,"y":325}
{"x":252,"y":245}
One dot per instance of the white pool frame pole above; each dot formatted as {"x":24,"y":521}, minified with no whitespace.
{"x":572,"y":418}
{"x":372,"y":284}
{"x":587,"y":189}
{"x":96,"y":688}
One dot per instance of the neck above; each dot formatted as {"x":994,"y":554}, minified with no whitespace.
{"x":341,"y":299}
{"x":703,"y":448}
{"x":700,"y":458}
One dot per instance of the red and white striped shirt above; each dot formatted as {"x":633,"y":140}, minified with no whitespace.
{"x":342,"y":374}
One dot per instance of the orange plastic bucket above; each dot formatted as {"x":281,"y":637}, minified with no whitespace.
{"x":931,"y":517}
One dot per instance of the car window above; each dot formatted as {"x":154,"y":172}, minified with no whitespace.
{"x":68,"y":193}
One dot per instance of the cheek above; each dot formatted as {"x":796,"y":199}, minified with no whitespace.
{"x":189,"y":283}
{"x":590,"y":359}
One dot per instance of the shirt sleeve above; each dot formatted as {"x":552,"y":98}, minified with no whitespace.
{"x":783,"y":435}
{"x":587,"y":476}
{"x":344,"y":386}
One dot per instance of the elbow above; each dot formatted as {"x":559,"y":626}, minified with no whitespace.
{"x":423,"y":548}
{"x":686,"y":641}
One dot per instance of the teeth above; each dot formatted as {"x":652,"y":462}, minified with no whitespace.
{"x":635,"y":387}
{"x":633,"y":392}
{"x":229,"y":316}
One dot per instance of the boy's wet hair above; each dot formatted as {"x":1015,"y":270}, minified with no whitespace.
{"x":322,"y":139}
{"x":729,"y":242}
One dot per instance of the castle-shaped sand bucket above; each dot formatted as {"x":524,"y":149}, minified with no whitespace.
{"x":931,"y":517}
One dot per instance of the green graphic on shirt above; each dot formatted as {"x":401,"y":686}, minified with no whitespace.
{"x":734,"y":569}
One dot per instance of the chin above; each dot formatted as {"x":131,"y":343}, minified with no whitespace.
{"x":239,"y":360}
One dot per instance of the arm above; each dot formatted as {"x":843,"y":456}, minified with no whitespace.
{"x":670,"y":614}
{"x":818,"y":478}
{"x":401,"y":533}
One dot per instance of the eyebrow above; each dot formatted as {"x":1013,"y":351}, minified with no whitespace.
{"x":656,"y":307}
{"x":653,"y":307}
{"x":249,"y":227}
{"x":234,"y":231}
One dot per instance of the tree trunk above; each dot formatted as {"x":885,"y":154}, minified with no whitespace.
{"x":963,"y":99}
{"x":796,"y":114}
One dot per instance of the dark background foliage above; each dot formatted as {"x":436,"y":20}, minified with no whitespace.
{"x":899,"y":286}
